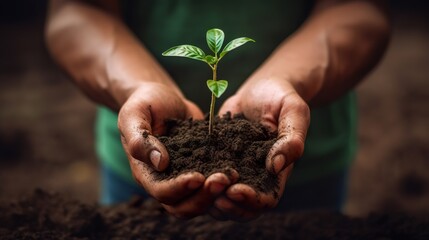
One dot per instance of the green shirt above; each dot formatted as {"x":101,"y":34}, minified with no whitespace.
{"x":331,"y":139}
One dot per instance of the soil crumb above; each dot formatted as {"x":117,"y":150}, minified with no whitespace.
{"x":235,"y":143}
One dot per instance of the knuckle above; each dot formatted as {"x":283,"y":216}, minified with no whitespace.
{"x":122,"y":116}
{"x":296,"y":145}
{"x":299,"y":105}
{"x":135,"y":148}
{"x":292,"y":146}
{"x":295,"y":102}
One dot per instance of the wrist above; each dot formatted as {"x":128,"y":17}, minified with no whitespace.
{"x":287,"y":83}
{"x":307,"y":84}
{"x":306,"y":81}
{"x":122,"y":90}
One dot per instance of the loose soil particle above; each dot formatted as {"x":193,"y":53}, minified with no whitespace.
{"x":235,"y":143}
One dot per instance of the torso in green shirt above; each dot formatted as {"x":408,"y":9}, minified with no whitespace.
{"x":331,"y":140}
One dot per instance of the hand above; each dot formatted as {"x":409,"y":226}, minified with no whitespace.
{"x":140,"y":118}
{"x":275,"y":104}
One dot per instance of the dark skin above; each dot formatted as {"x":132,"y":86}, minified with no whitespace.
{"x":339,"y":43}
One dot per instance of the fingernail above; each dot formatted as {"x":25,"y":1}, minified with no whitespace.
{"x":194,"y":185}
{"x":278,"y":163}
{"x":216,"y":188}
{"x":155,"y":158}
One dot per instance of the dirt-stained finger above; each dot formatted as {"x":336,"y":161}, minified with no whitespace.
{"x":201,"y":201}
{"x":150,"y":150}
{"x":168,"y":191}
{"x":293,"y":123}
{"x":248,"y":198}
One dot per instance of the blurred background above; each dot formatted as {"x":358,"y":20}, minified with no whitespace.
{"x":46,"y":124}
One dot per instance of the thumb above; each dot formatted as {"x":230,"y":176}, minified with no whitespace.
{"x":136,"y":134}
{"x":293,"y":123}
{"x":231,"y":105}
{"x":193,"y":110}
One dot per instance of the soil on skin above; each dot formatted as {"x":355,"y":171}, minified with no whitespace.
{"x":236,"y":143}
{"x":50,"y":216}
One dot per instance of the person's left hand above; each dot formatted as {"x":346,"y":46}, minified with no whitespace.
{"x":140,"y":119}
{"x":275,"y":104}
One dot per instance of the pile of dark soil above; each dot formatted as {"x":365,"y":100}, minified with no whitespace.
{"x":235,"y":143}
{"x":50,"y":216}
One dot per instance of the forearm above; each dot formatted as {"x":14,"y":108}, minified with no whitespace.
{"x":105,"y":60}
{"x":332,"y":51}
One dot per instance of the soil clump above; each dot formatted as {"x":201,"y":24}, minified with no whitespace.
{"x":235,"y":143}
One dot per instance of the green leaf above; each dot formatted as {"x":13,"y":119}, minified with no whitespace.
{"x":217,"y":87}
{"x":210,"y":59}
{"x":235,"y":44}
{"x":187,"y":51}
{"x":215,"y":39}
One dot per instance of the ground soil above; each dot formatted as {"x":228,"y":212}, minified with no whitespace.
{"x":235,"y":143}
{"x":50,"y":216}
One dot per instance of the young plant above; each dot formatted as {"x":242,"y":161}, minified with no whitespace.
{"x":215,"y":38}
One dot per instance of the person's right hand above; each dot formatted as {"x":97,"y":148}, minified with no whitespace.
{"x":140,"y":118}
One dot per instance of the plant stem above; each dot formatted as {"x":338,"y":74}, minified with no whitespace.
{"x":212,"y":104}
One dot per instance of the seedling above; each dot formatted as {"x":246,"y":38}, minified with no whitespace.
{"x":215,"y":38}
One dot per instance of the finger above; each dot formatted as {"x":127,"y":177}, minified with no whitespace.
{"x":248,"y":198}
{"x":230,"y":105}
{"x":194,"y":111}
{"x":201,"y":201}
{"x":134,"y":124}
{"x":168,"y":191}
{"x":294,"y":119}
{"x":148,"y":149}
{"x":198,"y":203}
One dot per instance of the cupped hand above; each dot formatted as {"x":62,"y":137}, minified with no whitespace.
{"x":275,"y":104}
{"x":141,"y":118}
